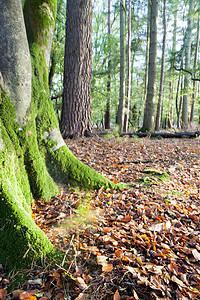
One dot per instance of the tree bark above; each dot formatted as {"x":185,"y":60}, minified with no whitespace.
{"x":147,"y":50}
{"x":76,"y":106}
{"x":32,"y":151}
{"x":120,"y":114}
{"x":195,"y":65}
{"x":128,"y":84}
{"x":187,"y":65}
{"x":148,"y":122}
{"x":162,"y":75}
{"x":108,"y":104}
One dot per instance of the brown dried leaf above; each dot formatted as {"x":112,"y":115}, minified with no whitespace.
{"x":81,"y":283}
{"x":135,"y":295}
{"x":3,"y":294}
{"x":81,"y":296}
{"x":116,"y":295}
{"x":196,"y":254}
{"x":16,"y":293}
{"x":102,"y":260}
{"x":107,"y":268}
{"x":154,"y":269}
{"x":178,"y":281}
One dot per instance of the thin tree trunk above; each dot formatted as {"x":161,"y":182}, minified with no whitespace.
{"x":158,"y":115}
{"x":108,"y":104}
{"x":148,"y":122}
{"x":147,"y":50}
{"x":126,"y":119}
{"x":179,"y":104}
{"x":195,"y":65}
{"x":120,"y":115}
{"x":187,"y":65}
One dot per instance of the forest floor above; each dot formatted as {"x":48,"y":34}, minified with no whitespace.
{"x":142,"y":242}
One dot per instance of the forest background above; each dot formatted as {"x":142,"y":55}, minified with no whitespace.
{"x":177,"y":49}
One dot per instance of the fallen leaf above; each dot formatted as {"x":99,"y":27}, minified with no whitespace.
{"x":16,"y":293}
{"x":196,"y":254}
{"x":3,"y":294}
{"x":178,"y":281}
{"x":107,"y":268}
{"x":154,"y":269}
{"x":116,"y":295}
{"x":37,"y":281}
{"x":160,"y":226}
{"x":102,"y":260}
{"x":81,"y":283}
{"x":81,"y":296}
{"x":135,"y":295}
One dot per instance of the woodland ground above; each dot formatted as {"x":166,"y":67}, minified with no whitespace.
{"x":142,"y":242}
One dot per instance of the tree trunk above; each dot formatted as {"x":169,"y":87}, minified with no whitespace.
{"x":147,"y":50}
{"x":195,"y":65}
{"x":187,"y":65}
{"x":32,"y":151}
{"x":108,"y":104}
{"x":158,"y":115}
{"x":120,"y":114}
{"x":126,"y":119}
{"x":76,"y":106}
{"x":148,"y":122}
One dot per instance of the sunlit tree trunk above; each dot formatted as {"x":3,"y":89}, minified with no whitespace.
{"x":147,"y":50}
{"x":187,"y":65}
{"x":195,"y":65}
{"x":126,"y":119}
{"x":120,"y":115}
{"x":148,"y":122}
{"x":162,"y":75}
{"x":76,"y":105}
{"x":108,"y":104}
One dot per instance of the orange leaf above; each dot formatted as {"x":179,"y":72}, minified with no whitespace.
{"x":3,"y":294}
{"x":81,"y":296}
{"x":116,"y":295}
{"x":27,"y":296}
{"x":119,"y":253}
{"x":107,"y":268}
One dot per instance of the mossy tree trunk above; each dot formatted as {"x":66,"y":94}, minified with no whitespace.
{"x":33,"y":154}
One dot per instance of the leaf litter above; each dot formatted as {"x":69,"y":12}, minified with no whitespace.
{"x":142,"y":242}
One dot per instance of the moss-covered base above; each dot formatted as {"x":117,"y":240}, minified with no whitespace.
{"x":66,"y":168}
{"x":33,"y":156}
{"x":21,"y":239}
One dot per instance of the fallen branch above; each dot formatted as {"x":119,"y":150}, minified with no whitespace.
{"x":163,"y":134}
{"x":157,"y":134}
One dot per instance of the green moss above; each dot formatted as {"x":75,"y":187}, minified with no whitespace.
{"x":21,"y":240}
{"x":154,"y":175}
{"x":39,"y":18}
{"x":12,"y":156}
{"x":66,"y":168}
